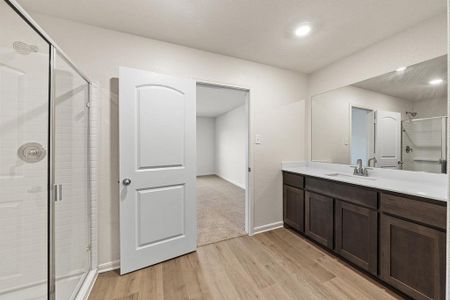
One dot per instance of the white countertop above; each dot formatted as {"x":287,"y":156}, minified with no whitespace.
{"x":421,"y":184}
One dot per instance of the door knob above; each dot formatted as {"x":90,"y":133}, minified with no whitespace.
{"x":126,"y":181}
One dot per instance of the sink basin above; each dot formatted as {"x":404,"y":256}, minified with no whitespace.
{"x":348,"y":176}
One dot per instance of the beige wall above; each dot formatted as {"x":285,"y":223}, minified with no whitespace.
{"x":277,"y":103}
{"x":419,"y":43}
{"x":331,"y":130}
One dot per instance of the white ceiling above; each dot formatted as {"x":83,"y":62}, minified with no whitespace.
{"x":411,"y":84}
{"x":257,"y":30}
{"x":213,"y":101}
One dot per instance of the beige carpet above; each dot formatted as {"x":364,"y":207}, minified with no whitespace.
{"x":220,"y":210}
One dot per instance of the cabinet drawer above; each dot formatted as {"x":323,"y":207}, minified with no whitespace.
{"x":294,"y":180}
{"x":350,"y":193}
{"x":415,"y":210}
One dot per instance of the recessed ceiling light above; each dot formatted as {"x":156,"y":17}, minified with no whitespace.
{"x":303,"y":30}
{"x":401,"y":69}
{"x":436,"y":81}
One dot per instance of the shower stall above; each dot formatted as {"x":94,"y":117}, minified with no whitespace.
{"x":45,"y":212}
{"x":424,"y":144}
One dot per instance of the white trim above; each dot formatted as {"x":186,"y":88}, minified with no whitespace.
{"x":88,"y":284}
{"x":231,"y":181}
{"x":109,"y":266}
{"x":267,"y":227}
{"x":206,"y":174}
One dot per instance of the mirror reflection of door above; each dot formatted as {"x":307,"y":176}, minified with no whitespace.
{"x":362,"y":139}
{"x":376,"y":138}
{"x":388,"y":139}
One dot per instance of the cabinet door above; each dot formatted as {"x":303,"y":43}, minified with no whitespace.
{"x":293,"y":207}
{"x":356,"y":235}
{"x":319,"y":218}
{"x":412,"y":258}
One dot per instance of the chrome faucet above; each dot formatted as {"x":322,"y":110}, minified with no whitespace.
{"x":359,"y":170}
{"x":374,"y":159}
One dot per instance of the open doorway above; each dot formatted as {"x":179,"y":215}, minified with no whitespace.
{"x":362,"y":134}
{"x":222,"y":162}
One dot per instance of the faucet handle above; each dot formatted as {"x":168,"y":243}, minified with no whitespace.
{"x":366,"y":171}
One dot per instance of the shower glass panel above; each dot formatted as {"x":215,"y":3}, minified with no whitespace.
{"x":72,"y":238}
{"x":24,"y":132}
{"x":424,"y":144}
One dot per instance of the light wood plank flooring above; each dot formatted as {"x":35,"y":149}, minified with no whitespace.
{"x":220,"y":210}
{"x":272,"y":265}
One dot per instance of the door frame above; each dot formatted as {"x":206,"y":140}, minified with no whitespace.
{"x":249,"y":179}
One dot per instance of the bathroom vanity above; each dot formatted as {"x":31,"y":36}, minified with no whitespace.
{"x":392,"y":228}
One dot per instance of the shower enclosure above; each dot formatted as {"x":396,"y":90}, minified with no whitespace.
{"x":45,"y":250}
{"x":424,"y":144}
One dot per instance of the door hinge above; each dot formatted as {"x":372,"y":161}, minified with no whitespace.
{"x":249,"y":169}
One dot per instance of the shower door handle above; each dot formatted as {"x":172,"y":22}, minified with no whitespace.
{"x":58,"y":192}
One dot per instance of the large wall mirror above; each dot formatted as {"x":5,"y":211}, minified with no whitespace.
{"x":397,"y":120}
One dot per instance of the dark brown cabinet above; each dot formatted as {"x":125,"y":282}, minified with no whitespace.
{"x":412,"y":258}
{"x":319,"y":218}
{"x":293,"y":207}
{"x":356,"y":235}
{"x":398,"y":238}
{"x":412,"y":246}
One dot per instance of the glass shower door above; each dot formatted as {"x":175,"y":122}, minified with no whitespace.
{"x":71,"y":175}
{"x":24,"y":131}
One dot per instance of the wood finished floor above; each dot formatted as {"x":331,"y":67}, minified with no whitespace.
{"x":220,"y":210}
{"x":273,"y":265}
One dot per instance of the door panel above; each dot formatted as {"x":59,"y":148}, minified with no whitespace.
{"x":293,"y":207}
{"x":153,"y":207}
{"x":71,"y":174}
{"x":156,"y":150}
{"x":356,"y":235}
{"x":412,"y":258}
{"x":157,"y":162}
{"x":319,"y":218}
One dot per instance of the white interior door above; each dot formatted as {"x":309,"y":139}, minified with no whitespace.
{"x":157,"y":168}
{"x":388,"y":139}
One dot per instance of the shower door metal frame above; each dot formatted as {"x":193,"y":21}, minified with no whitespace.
{"x":53,"y":190}
{"x":51,"y":196}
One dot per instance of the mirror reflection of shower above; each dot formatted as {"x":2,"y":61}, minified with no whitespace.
{"x":411,"y":114}
{"x":424,"y":146}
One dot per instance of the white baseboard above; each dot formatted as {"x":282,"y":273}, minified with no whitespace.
{"x":231,"y":181}
{"x":109,"y":266}
{"x":87,"y":286}
{"x":267,"y":227}
{"x":206,"y":174}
